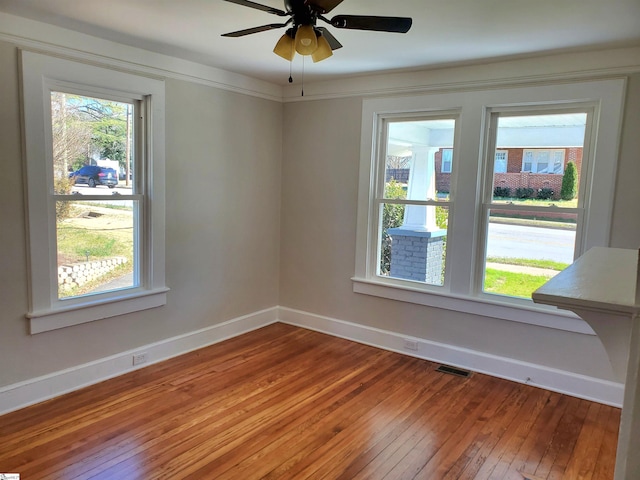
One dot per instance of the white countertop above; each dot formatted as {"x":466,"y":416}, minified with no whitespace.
{"x":614,"y":288}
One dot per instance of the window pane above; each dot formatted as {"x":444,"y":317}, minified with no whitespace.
{"x":419,"y":157}
{"x":543,"y":158}
{"x":525,"y":249}
{"x":92,"y":144}
{"x":410,"y":253}
{"x":95,"y":246}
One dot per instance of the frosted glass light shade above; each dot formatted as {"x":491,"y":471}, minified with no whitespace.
{"x":323,"y":51}
{"x":285,"y":47}
{"x":306,"y":40}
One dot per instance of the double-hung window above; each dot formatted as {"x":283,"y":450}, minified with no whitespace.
{"x":483,"y":237}
{"x":95,"y":188}
{"x":412,"y":217}
{"x":536,"y":231}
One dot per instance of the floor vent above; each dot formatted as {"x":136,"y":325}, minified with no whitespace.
{"x":453,"y":371}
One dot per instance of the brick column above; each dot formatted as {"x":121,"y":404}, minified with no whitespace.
{"x":417,"y":255}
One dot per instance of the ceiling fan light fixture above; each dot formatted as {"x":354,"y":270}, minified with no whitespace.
{"x":285,"y":47}
{"x":306,"y":40}
{"x":323,"y":51}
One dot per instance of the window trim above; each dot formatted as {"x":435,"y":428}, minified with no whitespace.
{"x":40,"y":74}
{"x":460,"y":292}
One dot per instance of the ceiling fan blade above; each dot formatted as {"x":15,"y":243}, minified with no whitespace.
{"x":333,"y":43}
{"x":249,"y":31}
{"x":380,"y":24}
{"x":325,"y":6}
{"x":258,"y":6}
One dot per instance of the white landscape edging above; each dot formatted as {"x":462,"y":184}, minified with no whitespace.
{"x":581,"y":386}
{"x":29,"y":392}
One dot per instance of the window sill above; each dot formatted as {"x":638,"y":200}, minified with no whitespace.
{"x":487,"y":307}
{"x":46,"y":320}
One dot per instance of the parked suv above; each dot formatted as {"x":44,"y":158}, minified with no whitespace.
{"x":93,"y":175}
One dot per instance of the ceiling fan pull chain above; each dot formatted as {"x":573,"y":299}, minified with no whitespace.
{"x":290,"y":69}
{"x":302,"y":88}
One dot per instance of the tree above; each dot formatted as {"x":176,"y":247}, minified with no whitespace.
{"x":569,"y":188}
{"x":71,"y":135}
{"x":395,"y":162}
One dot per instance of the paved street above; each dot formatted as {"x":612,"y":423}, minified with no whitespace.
{"x":530,"y":242}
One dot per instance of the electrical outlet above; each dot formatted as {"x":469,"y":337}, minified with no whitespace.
{"x":140,"y":358}
{"x":410,"y":344}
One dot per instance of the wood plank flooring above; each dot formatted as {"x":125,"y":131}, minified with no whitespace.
{"x":287,"y":403}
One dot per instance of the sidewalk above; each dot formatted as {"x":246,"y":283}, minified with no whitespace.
{"x":125,"y":281}
{"x":547,"y":272}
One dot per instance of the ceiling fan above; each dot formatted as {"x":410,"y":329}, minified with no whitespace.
{"x":304,"y":37}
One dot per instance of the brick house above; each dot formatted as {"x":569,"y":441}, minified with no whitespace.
{"x":515,"y":168}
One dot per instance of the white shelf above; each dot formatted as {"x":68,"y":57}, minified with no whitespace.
{"x":603,"y":288}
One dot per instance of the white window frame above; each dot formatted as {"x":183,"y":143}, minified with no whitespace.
{"x":42,"y":74}
{"x":584,"y":192}
{"x":461,"y":291}
{"x":535,"y":153}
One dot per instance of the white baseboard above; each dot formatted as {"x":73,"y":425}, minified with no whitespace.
{"x":29,"y":392}
{"x":581,"y":386}
{"x":19,"y":395}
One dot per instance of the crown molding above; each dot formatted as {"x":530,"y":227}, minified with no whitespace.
{"x":539,"y":70}
{"x":49,"y":39}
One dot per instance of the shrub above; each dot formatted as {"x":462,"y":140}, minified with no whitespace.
{"x":502,"y":192}
{"x":544,"y":193}
{"x":524,"y":192}
{"x":569,"y":188}
{"x":392,"y":216}
{"x":62,"y":186}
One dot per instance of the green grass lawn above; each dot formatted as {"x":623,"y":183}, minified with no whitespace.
{"x":537,"y":202}
{"x":518,"y":284}
{"x":512,"y":284}
{"x":93,"y":233}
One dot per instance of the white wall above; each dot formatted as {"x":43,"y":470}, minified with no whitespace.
{"x":261,"y":210}
{"x":223,"y":153}
{"x":319,"y":202}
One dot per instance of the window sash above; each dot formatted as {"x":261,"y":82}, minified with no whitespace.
{"x":530,"y":157}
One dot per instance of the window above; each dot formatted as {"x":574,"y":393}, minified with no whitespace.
{"x":95,"y":163}
{"x":500,"y":167}
{"x":484,"y":131}
{"x":533,"y":234}
{"x":414,"y":215}
{"x":543,"y":161}
{"x":447,"y":159}
{"x":501,"y":161}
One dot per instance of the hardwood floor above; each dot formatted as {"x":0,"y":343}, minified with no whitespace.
{"x":288,"y":403}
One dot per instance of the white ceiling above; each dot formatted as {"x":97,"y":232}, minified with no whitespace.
{"x":444,"y":32}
